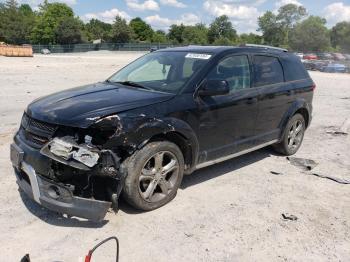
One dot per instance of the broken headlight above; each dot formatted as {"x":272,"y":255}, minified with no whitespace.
{"x":61,"y":148}
{"x":67,"y":149}
{"x":86,"y":157}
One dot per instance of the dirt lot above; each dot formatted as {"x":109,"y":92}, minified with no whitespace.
{"x":227,"y":212}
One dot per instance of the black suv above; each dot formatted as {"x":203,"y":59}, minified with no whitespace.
{"x":164,"y":115}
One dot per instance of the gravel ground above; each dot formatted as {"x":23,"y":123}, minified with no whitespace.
{"x":227,"y":212}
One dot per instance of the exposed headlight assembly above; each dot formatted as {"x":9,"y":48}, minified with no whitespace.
{"x":61,"y":148}
{"x":67,"y":149}
{"x":86,"y":157}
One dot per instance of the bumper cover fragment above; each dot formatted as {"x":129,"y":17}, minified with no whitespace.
{"x":59,"y":198}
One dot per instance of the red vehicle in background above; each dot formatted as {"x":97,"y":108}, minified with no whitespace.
{"x":310,"y":57}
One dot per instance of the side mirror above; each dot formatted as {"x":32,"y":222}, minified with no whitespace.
{"x":214,"y":88}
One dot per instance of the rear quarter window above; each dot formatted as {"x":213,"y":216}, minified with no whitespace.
{"x":267,"y":70}
{"x":293,"y":68}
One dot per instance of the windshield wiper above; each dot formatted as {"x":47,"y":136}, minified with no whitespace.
{"x":134,"y":84}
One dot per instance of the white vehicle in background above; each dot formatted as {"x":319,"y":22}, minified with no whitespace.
{"x":45,"y":51}
{"x":300,"y":55}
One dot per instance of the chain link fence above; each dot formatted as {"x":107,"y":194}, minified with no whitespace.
{"x":103,"y":46}
{"x":329,"y":65}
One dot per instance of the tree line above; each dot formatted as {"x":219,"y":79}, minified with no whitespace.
{"x":55,"y":23}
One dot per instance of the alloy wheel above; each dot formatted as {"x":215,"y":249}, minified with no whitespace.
{"x":158,"y":176}
{"x":295,"y":135}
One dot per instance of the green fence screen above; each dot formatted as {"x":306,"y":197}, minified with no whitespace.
{"x":103,"y":46}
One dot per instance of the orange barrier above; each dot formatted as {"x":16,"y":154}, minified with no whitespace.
{"x":16,"y":51}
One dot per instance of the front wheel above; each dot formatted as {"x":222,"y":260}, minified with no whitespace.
{"x":154,"y":175}
{"x":292,"y":137}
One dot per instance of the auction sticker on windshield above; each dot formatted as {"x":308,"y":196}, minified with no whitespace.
{"x":198,"y":56}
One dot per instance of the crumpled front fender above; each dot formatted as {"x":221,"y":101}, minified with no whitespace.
{"x":134,"y":131}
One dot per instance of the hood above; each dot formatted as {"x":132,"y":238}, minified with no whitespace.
{"x":82,"y":106}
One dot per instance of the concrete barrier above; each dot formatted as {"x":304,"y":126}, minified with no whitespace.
{"x":16,"y":51}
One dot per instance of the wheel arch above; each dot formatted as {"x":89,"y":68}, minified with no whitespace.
{"x":182,"y":142}
{"x":299,"y":106}
{"x":178,"y":132}
{"x":305,"y":113}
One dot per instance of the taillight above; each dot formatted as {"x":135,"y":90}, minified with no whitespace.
{"x":313,"y":86}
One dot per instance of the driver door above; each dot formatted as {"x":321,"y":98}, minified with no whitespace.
{"x":227,"y":122}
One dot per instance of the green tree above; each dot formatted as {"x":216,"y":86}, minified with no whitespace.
{"x":2,"y":22}
{"x":340,"y":36}
{"x":96,"y":29}
{"x":15,"y":22}
{"x":310,"y":35}
{"x":221,"y":28}
{"x":197,"y":34}
{"x":50,"y":16}
{"x":176,"y":32}
{"x":25,"y":9}
{"x":121,"y":31}
{"x":28,"y":17}
{"x":142,"y":30}
{"x":271,"y":29}
{"x":159,"y":37}
{"x":288,"y":16}
{"x":250,"y":39}
{"x":69,"y":31}
{"x":223,"y":41}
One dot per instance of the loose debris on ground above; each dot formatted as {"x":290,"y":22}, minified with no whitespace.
{"x":303,"y":163}
{"x":335,"y":179}
{"x":308,"y":165}
{"x":287,"y":216}
{"x":337,"y":133}
{"x":276,"y":173}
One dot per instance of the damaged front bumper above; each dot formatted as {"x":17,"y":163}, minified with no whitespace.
{"x":30,"y":166}
{"x":57,"y":197}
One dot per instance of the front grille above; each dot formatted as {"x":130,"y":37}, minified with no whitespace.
{"x":36,"y":133}
{"x":38,"y":140}
{"x":43,"y":126}
{"x":31,"y":123}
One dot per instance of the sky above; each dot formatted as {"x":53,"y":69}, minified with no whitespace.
{"x":162,"y":13}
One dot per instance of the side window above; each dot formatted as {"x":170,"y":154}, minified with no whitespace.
{"x":155,"y":71}
{"x":267,"y":70}
{"x":235,"y":70}
{"x":293,"y":68}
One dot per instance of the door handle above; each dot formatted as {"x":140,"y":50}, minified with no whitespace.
{"x":252,"y":100}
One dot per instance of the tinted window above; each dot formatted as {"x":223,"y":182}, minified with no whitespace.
{"x":293,"y":68}
{"x":235,"y":70}
{"x":267,"y":71}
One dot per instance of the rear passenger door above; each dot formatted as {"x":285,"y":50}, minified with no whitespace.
{"x":275,"y":96}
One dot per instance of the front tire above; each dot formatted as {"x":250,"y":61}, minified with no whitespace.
{"x":292,"y":137}
{"x":154,"y":174}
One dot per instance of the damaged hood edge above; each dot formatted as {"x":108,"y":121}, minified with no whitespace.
{"x":81,"y":110}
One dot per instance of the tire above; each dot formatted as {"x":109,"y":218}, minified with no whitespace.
{"x":154,"y":174}
{"x":291,"y":140}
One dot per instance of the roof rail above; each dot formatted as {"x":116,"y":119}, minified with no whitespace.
{"x":265,"y":47}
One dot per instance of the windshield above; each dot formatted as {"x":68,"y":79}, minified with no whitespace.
{"x":161,"y":71}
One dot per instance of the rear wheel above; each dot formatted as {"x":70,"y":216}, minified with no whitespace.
{"x":154,"y":175}
{"x":292,"y":137}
